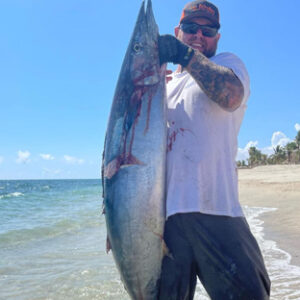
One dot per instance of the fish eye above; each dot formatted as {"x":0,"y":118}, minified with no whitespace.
{"x":137,"y":47}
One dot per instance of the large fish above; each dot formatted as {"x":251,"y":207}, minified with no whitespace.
{"x":134,"y":162}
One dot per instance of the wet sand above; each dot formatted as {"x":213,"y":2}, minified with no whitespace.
{"x":278,"y":187}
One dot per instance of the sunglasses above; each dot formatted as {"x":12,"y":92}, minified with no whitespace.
{"x":192,"y":28}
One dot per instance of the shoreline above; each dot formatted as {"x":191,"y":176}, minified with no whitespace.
{"x":275,"y":186}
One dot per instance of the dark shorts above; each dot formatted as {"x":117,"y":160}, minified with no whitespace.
{"x":220,"y":250}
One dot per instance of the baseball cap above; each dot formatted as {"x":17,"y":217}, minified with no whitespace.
{"x":203,"y":9}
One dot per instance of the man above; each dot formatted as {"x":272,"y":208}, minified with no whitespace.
{"x":206,"y":231}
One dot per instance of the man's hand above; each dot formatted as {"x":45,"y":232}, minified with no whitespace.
{"x":173,"y":50}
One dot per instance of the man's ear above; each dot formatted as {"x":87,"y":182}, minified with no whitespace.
{"x":176,"y":30}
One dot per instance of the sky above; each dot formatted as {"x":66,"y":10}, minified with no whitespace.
{"x":60,"y":60}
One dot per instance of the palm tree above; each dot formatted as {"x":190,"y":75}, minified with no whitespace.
{"x":241,"y":163}
{"x":255,"y":156}
{"x":264,"y":159}
{"x":290,"y":147}
{"x":279,"y":154}
{"x":297,"y":140}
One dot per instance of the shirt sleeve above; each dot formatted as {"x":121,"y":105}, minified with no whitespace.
{"x":234,"y":63}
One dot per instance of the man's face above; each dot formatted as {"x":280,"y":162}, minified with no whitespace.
{"x":206,"y":45}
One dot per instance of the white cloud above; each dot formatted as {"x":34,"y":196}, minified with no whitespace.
{"x":279,"y":139}
{"x":23,"y":157}
{"x":1,"y":159}
{"x":73,"y":160}
{"x":46,"y":156}
{"x":297,"y":126}
{"x":243,"y":152}
{"x":267,"y":150}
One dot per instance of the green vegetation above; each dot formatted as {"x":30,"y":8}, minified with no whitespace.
{"x":289,"y":154}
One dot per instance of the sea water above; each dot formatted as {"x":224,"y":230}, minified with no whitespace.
{"x":52,"y":245}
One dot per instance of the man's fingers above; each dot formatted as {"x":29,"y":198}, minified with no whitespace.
{"x":168,"y":78}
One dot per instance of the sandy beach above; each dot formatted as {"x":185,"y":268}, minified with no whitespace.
{"x":275,"y":186}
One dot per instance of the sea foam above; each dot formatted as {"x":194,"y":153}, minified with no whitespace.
{"x":285,"y":277}
{"x":10,"y":195}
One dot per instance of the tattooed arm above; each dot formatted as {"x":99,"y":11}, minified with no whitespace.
{"x":219,"y":83}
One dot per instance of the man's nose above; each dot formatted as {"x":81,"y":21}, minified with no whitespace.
{"x":199,"y":32}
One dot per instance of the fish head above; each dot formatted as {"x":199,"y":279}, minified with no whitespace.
{"x":144,"y":67}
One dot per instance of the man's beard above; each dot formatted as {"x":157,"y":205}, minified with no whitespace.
{"x":210,"y":52}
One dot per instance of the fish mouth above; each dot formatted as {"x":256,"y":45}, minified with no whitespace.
{"x":144,"y":67}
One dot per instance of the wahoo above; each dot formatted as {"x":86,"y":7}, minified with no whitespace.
{"x":134,"y":162}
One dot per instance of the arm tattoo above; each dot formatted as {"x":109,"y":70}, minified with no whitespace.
{"x":219,"y":83}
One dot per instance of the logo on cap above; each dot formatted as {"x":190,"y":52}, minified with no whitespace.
{"x":203,"y":7}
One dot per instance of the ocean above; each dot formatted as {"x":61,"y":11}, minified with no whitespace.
{"x":52,"y":245}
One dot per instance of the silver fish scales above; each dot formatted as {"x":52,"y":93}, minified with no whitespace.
{"x":134,"y":162}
